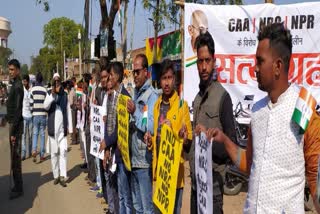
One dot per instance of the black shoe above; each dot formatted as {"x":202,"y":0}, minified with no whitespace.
{"x":15,"y":194}
{"x":56,"y":181}
{"x":63,"y":182}
{"x":84,"y":166}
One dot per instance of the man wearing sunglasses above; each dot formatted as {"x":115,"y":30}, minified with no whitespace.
{"x":59,"y":122}
{"x":144,"y":99}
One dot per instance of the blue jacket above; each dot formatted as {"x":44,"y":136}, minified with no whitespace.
{"x":112,"y":140}
{"x":141,"y":157}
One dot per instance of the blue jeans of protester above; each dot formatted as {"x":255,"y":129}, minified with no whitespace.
{"x":124,"y":190}
{"x":141,"y":188}
{"x":39,"y":126}
{"x":178,"y":201}
{"x":26,"y":142}
{"x":98,"y":178}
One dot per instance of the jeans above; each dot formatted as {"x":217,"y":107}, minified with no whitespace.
{"x":98,"y":172}
{"x":26,"y":142}
{"x":178,"y":201}
{"x":141,"y":183}
{"x":112,"y":191}
{"x":125,"y":199}
{"x":39,"y":126}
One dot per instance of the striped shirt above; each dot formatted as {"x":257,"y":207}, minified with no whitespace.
{"x":37,"y":97}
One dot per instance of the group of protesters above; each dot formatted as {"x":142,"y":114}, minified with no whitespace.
{"x":276,"y":158}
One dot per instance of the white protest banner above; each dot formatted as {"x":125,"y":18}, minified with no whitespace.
{"x":203,"y":164}
{"x":235,"y":29}
{"x":96,"y":130}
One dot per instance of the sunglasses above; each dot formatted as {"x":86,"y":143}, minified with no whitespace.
{"x":137,"y":71}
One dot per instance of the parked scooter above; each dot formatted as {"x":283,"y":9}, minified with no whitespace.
{"x":234,"y":178}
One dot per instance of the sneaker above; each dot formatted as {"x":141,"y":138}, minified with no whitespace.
{"x":94,"y":189}
{"x":63,"y":182}
{"x":56,"y":181}
{"x":99,"y":194}
{"x":34,"y":155}
{"x":42,"y":159}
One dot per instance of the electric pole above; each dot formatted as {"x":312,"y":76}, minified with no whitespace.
{"x":80,"y":61}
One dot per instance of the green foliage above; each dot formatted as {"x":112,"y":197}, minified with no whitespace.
{"x":5,"y":54}
{"x":24,"y":69}
{"x":217,"y":2}
{"x":57,"y":33}
{"x":167,"y":11}
{"x":65,"y":31}
{"x":45,"y":3}
{"x":45,"y":63}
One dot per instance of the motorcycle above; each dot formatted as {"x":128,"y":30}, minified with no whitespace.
{"x":234,"y":178}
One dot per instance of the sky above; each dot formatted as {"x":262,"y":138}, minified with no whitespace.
{"x":27,"y":20}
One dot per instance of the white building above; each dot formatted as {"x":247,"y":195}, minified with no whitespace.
{"x":5,"y":31}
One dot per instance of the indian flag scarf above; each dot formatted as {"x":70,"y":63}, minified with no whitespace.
{"x":305,"y":106}
{"x":79,"y":92}
{"x":145,"y":116}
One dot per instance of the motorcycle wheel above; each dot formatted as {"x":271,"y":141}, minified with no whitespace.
{"x":231,"y":187}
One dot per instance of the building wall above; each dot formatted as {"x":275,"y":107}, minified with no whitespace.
{"x":5,"y":31}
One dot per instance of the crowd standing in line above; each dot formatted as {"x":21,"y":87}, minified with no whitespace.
{"x":276,"y":159}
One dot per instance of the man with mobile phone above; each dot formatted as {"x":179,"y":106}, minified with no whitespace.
{"x":59,"y":117}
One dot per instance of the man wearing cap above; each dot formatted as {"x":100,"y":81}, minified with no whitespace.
{"x":59,"y":117}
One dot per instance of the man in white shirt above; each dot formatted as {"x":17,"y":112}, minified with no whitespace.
{"x":27,"y":119}
{"x":274,"y":156}
{"x":59,"y":117}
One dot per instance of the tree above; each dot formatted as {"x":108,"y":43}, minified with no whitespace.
{"x":5,"y":54}
{"x":45,"y":63}
{"x":124,"y":38}
{"x":217,"y":2}
{"x":61,"y":34}
{"x":162,"y":10}
{"x":107,"y":21}
{"x":24,"y":69}
{"x":45,"y":4}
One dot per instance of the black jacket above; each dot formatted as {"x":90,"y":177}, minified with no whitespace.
{"x":14,"y":107}
{"x":60,"y":99}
